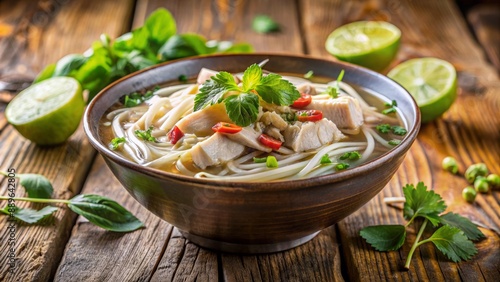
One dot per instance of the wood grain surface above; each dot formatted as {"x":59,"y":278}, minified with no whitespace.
{"x":33,"y":35}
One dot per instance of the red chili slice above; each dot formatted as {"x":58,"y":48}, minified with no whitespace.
{"x":174,"y":135}
{"x":309,"y":115}
{"x":303,"y":101}
{"x":225,"y":127}
{"x":270,"y":142}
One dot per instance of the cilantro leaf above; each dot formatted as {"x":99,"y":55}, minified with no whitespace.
{"x":452,"y":242}
{"x":242,"y":109}
{"x":455,"y":220}
{"x":29,"y":215}
{"x":213,"y":90}
{"x":116,"y":142}
{"x":275,"y":90}
{"x":145,"y":134}
{"x":384,"y":237}
{"x":398,"y":130}
{"x":421,"y":202}
{"x":251,"y":77}
{"x":383,"y":128}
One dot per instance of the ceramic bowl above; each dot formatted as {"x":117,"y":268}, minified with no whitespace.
{"x":253,"y":217}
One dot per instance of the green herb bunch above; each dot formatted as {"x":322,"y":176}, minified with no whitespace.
{"x":242,"y":105}
{"x":99,"y":210}
{"x":452,"y":233}
{"x":154,"y":42}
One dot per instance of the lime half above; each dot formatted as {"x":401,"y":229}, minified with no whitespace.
{"x":372,"y":44}
{"x":47,"y":112}
{"x":432,"y":82}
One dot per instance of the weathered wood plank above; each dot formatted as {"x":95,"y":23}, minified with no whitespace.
{"x":32,"y":38}
{"x":101,"y":251}
{"x":468,"y":131}
{"x":485,"y":19}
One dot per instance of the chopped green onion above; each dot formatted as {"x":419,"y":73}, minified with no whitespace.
{"x":309,"y":74}
{"x":259,"y":160}
{"x":271,"y":162}
{"x":394,"y":142}
{"x":341,"y":166}
{"x":325,"y":159}
{"x":352,"y":156}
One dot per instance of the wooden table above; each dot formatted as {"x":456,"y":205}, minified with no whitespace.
{"x":36,"y":33}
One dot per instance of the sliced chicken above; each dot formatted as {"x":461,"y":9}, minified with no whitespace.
{"x":248,"y":136}
{"x":200,"y":122}
{"x":216,"y":150}
{"x":307,"y":88}
{"x":205,"y":74}
{"x":311,"y":135}
{"x":344,"y":111}
{"x":272,"y":118}
{"x":274,"y":132}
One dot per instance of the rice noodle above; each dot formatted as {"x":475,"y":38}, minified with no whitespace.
{"x":174,"y":102}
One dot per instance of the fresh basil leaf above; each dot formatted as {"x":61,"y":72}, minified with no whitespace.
{"x":242,"y":109}
{"x":452,"y":242}
{"x":160,"y":26}
{"x":275,"y":90}
{"x":36,"y":185}
{"x":251,"y":77}
{"x":29,"y":215}
{"x":139,"y":61}
{"x":68,"y":64}
{"x":422,"y":202}
{"x":123,"y":44}
{"x":212,"y":91}
{"x":104,"y":213}
{"x":384,"y":237}
{"x":455,"y":220}
{"x":264,"y":24}
{"x":180,"y":46}
{"x":47,"y":72}
{"x":95,"y":74}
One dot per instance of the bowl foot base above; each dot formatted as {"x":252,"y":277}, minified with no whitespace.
{"x":246,"y":248}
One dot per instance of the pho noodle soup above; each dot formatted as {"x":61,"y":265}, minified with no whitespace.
{"x":252,"y":126}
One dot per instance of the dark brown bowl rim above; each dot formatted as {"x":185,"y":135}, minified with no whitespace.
{"x":331,"y":178}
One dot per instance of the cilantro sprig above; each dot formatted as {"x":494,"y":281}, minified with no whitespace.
{"x":453,"y":236}
{"x":242,"y":105}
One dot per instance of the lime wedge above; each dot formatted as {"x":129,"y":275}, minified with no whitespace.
{"x":47,"y":112}
{"x":372,"y":44}
{"x":432,"y":82}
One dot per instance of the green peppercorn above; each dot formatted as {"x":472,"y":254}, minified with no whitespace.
{"x":469,"y":194}
{"x":450,"y":164}
{"x":493,"y":180}
{"x":474,"y":171}
{"x":481,"y":185}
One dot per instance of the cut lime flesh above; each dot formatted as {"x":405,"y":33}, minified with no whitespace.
{"x":431,"y":81}
{"x":371,"y":44}
{"x":47,"y":112}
